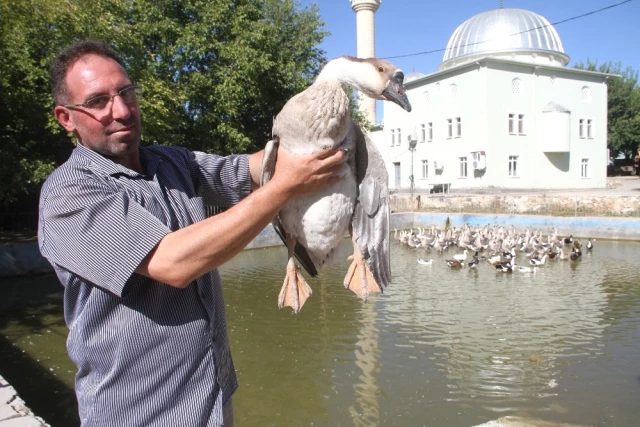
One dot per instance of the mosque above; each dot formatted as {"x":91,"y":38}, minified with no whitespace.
{"x":503,"y":110}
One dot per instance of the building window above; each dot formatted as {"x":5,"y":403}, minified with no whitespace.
{"x":393,"y":137}
{"x":520,"y":124}
{"x":449,"y":128}
{"x":585,"y":128}
{"x":425,"y":169}
{"x":584,"y":169}
{"x":430,"y":135}
{"x":581,"y":128}
{"x":585,"y":94}
{"x":513,"y":166}
{"x":423,"y":132}
{"x":463,"y":167}
{"x":398,"y":137}
{"x":454,"y":91}
{"x":516,"y":124}
{"x":427,"y":96}
{"x":458,"y":127}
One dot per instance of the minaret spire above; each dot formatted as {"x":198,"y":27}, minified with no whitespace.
{"x":365,"y":27}
{"x":501,"y":4}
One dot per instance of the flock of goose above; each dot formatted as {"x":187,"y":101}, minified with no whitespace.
{"x":497,"y":245}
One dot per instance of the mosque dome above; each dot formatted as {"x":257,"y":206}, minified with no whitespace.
{"x":515,"y":34}
{"x":414,"y":75}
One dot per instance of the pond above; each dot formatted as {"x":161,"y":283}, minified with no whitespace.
{"x":439,"y":347}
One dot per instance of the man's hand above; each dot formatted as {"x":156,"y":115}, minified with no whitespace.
{"x":299,"y":175}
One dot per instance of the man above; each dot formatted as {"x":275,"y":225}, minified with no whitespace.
{"x":125,"y":229}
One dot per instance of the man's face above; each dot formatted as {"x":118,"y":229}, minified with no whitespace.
{"x":114,"y":131}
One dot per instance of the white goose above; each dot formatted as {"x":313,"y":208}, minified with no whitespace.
{"x":462,"y":256}
{"x":312,"y":226}
{"x":538,"y":261}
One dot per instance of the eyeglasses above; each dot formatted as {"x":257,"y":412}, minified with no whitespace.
{"x":99,"y":103}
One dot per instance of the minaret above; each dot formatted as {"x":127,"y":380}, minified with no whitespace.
{"x":365,"y":10}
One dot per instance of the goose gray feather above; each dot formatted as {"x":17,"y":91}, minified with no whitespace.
{"x":312,"y":226}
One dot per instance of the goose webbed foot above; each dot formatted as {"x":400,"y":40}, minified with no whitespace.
{"x":359,"y":279}
{"x":295,"y":289}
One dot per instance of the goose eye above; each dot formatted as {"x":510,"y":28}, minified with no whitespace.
{"x":381,"y":69}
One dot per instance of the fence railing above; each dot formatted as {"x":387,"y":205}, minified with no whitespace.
{"x":546,"y":205}
{"x":19,"y":222}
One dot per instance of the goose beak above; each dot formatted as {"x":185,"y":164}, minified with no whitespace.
{"x":395,"y":92}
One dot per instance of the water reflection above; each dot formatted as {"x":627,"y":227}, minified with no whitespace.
{"x":440,"y":347}
{"x":459,"y":347}
{"x":366,"y":411}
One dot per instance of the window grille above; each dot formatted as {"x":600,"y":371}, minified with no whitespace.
{"x":516,"y":86}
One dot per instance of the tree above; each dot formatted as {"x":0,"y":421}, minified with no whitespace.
{"x":214,"y":72}
{"x":623,"y":107}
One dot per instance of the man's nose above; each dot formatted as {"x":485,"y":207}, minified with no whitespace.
{"x":119,"y":110}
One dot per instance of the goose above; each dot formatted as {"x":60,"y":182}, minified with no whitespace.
{"x":574,"y":255}
{"x":562,"y":255}
{"x":577,"y":247}
{"x":425,"y":261}
{"x":495,"y":260}
{"x":474,"y":261}
{"x":568,"y":240}
{"x":507,"y":267}
{"x":523,"y":269}
{"x":454,"y":263}
{"x":538,"y":261}
{"x":312,"y":226}
{"x":462,"y":256}
{"x":589,"y":245}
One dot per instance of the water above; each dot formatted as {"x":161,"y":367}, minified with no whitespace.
{"x":441,"y":347}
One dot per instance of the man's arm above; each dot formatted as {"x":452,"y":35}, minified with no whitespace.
{"x":185,"y":254}
{"x":255,"y":168}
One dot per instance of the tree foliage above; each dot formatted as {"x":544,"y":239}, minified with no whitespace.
{"x":623,"y":107}
{"x":214,"y":72}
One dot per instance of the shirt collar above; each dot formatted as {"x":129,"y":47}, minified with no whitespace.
{"x":148,"y":159}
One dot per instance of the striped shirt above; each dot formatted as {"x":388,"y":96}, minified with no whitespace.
{"x":148,"y":354}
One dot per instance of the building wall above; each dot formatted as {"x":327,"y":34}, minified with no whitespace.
{"x":483,"y":95}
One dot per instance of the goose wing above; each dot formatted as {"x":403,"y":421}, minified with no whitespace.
{"x":268,"y":169}
{"x":370,"y":222}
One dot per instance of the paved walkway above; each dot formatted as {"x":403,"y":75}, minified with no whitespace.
{"x":616,"y":186}
{"x":13,"y":411}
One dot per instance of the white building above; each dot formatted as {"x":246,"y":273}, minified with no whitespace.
{"x":503,"y":110}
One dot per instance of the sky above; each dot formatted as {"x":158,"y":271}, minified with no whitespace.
{"x":411,"y":26}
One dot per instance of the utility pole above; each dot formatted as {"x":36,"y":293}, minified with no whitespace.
{"x":413,"y":141}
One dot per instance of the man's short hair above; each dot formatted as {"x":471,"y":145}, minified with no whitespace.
{"x":67,"y":57}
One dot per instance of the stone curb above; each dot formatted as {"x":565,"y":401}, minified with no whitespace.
{"x":13,"y":411}
{"x":19,"y":259}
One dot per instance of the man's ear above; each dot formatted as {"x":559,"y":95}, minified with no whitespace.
{"x":63,"y":116}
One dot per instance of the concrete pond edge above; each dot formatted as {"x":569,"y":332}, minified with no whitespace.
{"x":24,"y":258}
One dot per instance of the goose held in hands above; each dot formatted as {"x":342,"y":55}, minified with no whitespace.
{"x":312,"y":226}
